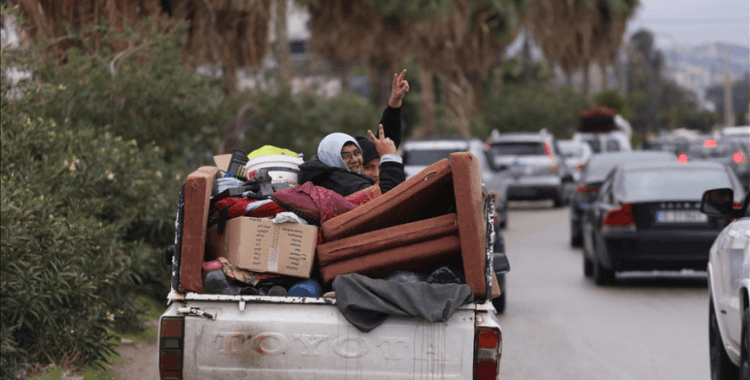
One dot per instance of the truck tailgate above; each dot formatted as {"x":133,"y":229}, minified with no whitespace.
{"x":315,"y":341}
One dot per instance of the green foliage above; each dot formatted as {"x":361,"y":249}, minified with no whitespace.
{"x":518,"y":108}
{"x":92,"y":160}
{"x":614,"y":100}
{"x":299,"y":122}
{"x":151,"y":96}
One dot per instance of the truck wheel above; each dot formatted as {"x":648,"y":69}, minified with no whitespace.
{"x":721,"y":367}
{"x":576,"y":241}
{"x":499,"y":302}
{"x":559,"y":202}
{"x":588,"y":267}
{"x":601,"y":274}
{"x":745,"y":346}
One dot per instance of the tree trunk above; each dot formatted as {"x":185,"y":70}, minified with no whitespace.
{"x":385,"y":81}
{"x":346,"y":80}
{"x":621,"y":85}
{"x":427,"y":99}
{"x":586,"y":80}
{"x":551,"y":82}
{"x":281,"y":46}
{"x":459,"y":104}
{"x":603,"y":76}
{"x":497,"y":74}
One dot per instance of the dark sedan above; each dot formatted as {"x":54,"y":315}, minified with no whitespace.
{"x":592,"y":176}
{"x":647,"y":217}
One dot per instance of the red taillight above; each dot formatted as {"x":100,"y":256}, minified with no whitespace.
{"x":738,"y":157}
{"x":170,"y":360}
{"x":710,"y":143}
{"x":495,"y":221}
{"x":620,"y":217}
{"x":547,"y":149}
{"x":489,"y":144}
{"x":171,"y":327}
{"x":488,"y":338}
{"x":579,"y":167}
{"x":486,"y":369}
{"x":682,"y":158}
{"x":487,"y":355}
{"x":171,"y":347}
{"x":583,"y":189}
{"x":737,"y":204}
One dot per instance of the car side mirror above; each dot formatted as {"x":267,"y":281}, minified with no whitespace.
{"x":500,"y":263}
{"x":501,"y":167}
{"x":719,"y":202}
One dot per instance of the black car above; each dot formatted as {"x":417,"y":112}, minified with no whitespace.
{"x":647,"y":217}
{"x":726,"y":149}
{"x":592,"y":177}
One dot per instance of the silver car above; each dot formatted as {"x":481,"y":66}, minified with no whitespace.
{"x":538,"y":169}
{"x":728,"y":285}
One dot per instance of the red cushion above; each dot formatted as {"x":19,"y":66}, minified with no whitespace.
{"x":472,"y":225}
{"x":423,"y":257}
{"x":385,"y":239}
{"x":425,"y":195}
{"x":198,"y":187}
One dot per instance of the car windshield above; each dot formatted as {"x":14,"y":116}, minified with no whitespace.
{"x":571,"y":150}
{"x":599,"y":166}
{"x":669,"y":183}
{"x":710,"y":148}
{"x":426,"y":157}
{"x":526,"y":148}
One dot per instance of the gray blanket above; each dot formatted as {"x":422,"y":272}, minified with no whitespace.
{"x":367,"y":302}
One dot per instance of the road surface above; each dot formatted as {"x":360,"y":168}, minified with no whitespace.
{"x":559,"y":325}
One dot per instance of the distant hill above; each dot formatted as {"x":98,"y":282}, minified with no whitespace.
{"x":711,"y":57}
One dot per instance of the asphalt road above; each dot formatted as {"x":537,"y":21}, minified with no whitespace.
{"x":560,"y":325}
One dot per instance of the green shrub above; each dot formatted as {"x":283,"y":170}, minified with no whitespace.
{"x":91,"y":165}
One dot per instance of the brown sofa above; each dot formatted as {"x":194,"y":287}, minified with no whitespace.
{"x":449,"y":186}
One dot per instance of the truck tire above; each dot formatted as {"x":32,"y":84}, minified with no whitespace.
{"x":745,"y":346}
{"x":602,"y":275}
{"x":722,"y":367}
{"x":576,"y":240}
{"x":499,"y":302}
{"x":588,"y":266}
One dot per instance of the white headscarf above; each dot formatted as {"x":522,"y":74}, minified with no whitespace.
{"x":329,"y":149}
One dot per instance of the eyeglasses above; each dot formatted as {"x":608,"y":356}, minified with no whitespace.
{"x":348,"y":155}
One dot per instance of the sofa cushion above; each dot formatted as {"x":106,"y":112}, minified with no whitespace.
{"x":427,"y":194}
{"x":198,"y":187}
{"x":385,"y":239}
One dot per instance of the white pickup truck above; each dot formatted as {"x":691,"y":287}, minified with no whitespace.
{"x":211,"y":336}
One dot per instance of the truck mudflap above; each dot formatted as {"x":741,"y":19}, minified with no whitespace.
{"x":314,"y":341}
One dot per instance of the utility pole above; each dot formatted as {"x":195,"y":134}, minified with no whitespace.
{"x":728,"y":106}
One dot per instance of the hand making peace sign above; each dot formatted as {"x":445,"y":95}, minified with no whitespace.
{"x":383,"y":145}
{"x":399,"y":88}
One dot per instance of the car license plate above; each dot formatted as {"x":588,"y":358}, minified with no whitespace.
{"x":681,"y":216}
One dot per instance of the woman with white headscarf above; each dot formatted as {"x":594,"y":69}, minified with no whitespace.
{"x":338,"y":164}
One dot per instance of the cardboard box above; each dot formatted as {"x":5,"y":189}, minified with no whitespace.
{"x":260,"y":245}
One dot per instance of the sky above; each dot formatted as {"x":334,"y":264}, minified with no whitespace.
{"x":689,"y":23}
